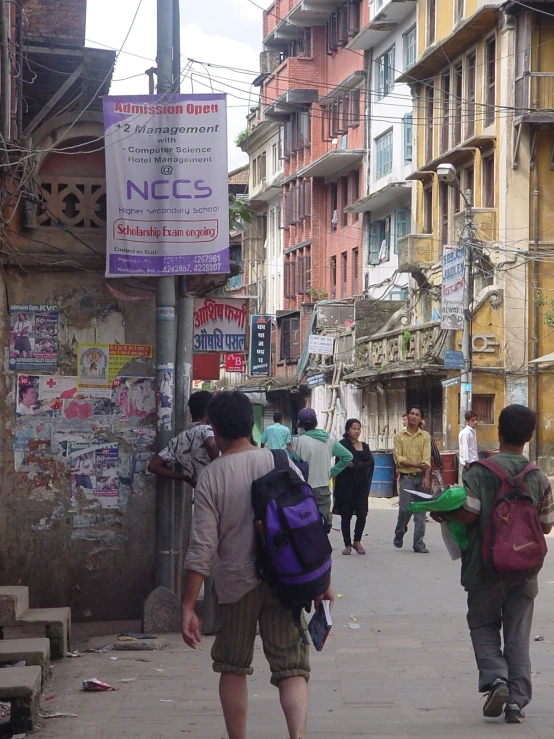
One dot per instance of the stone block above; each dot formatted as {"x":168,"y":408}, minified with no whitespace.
{"x":162,"y":612}
{"x":57,"y":622}
{"x":32,"y":651}
{"x":21,"y":686}
{"x":14,"y":603}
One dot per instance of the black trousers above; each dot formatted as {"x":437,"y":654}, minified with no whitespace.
{"x":345,"y":522}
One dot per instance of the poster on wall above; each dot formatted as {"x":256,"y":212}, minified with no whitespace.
{"x":134,"y":399}
{"x":220,"y":325}
{"x":260,"y":346}
{"x":452,"y":304}
{"x":33,"y":337}
{"x":165,"y":395}
{"x":100,"y":364}
{"x":43,"y":394}
{"x":167,"y":184}
{"x":94,"y":471}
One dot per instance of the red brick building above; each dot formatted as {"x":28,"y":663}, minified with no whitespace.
{"x":315,"y":86}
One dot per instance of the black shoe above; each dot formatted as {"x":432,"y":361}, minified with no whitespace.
{"x":398,"y":541}
{"x":513,"y":714}
{"x":496,"y":699}
{"x":421,"y":550}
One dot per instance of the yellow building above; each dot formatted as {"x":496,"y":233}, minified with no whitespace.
{"x":483,"y":87}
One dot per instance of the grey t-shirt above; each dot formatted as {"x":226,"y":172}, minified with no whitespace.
{"x":223,"y":522}
{"x":188,"y":449}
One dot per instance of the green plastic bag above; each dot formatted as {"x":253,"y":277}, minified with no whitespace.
{"x":449,"y":500}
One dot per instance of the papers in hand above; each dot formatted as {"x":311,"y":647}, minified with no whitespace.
{"x":425,"y":496}
{"x":320,"y":625}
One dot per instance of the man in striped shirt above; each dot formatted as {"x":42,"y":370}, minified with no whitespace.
{"x":495,"y":604}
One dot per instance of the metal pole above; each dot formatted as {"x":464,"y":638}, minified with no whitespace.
{"x":467,"y":374}
{"x":5,"y":73}
{"x":536,"y":194}
{"x":165,"y":338}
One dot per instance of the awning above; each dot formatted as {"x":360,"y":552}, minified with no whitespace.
{"x":380,"y":199}
{"x":464,"y":36}
{"x":331,"y":165}
{"x":291,"y":101}
{"x":543,"y":360}
{"x":305,"y":14}
{"x":457,"y":156}
{"x":349,"y":83}
{"x":384,"y":21}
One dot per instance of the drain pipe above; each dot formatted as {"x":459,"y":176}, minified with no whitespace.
{"x":536,"y":195}
{"x":5,"y":76}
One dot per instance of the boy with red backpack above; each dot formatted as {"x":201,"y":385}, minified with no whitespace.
{"x":508,"y":510}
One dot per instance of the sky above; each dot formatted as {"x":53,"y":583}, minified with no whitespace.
{"x":224,"y":32}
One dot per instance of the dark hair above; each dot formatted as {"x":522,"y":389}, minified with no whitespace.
{"x":277,"y":417}
{"x":232,"y":415}
{"x":418,"y":408}
{"x":349,"y":424}
{"x":470,"y":414}
{"x":198,"y":404}
{"x":23,"y":389}
{"x":307,"y":425}
{"x":516,"y":424}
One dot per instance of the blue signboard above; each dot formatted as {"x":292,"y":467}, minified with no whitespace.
{"x":453,"y":360}
{"x":315,"y":381}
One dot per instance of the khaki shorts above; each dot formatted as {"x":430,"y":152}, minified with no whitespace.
{"x":235,"y":628}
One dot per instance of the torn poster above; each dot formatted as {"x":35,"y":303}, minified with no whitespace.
{"x":40,"y":394}
{"x":33,"y":337}
{"x":100,"y":364}
{"x":134,"y":399}
{"x":94,"y":472}
{"x":165,"y":396}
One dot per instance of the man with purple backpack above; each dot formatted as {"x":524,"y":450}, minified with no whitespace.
{"x":509,"y":508}
{"x":223,"y":525}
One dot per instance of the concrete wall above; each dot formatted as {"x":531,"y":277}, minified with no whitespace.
{"x":73,"y":551}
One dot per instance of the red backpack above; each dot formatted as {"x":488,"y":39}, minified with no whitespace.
{"x":514,"y":546}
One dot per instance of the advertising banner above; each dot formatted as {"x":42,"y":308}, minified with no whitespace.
{"x":318,"y":344}
{"x":166,"y":184}
{"x":260,"y":346}
{"x":234,"y":363}
{"x":33,"y":337}
{"x":219,"y":325}
{"x":452,"y":307}
{"x":100,"y":364}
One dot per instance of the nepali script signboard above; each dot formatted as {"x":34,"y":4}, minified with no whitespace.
{"x":166,"y":185}
{"x":220,"y":325}
{"x":452,"y":307}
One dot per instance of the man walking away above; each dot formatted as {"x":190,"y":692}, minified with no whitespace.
{"x":223,"y":525}
{"x":276,"y":436}
{"x":412,"y":457}
{"x":317,"y":448}
{"x":193,"y":449}
{"x":496,"y":604}
{"x":467,"y":442}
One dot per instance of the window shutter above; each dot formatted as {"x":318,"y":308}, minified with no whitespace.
{"x":374,"y":243}
{"x":408,"y":134}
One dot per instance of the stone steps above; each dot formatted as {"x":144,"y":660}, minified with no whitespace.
{"x":15,"y":611}
{"x":21,"y":686}
{"x":35,"y":652}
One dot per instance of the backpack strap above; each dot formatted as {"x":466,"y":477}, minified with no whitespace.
{"x":503,"y":476}
{"x":281,"y":459}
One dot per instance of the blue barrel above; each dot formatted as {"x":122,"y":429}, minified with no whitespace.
{"x":382,"y":485}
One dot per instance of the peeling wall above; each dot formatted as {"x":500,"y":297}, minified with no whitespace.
{"x":71,"y":550}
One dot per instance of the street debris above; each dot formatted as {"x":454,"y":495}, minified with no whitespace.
{"x":539,"y":638}
{"x":164,"y":700}
{"x":51,"y":697}
{"x":127,"y":680}
{"x":132,"y":635}
{"x":352,"y":617}
{"x":5,"y":710}
{"x":127,"y":644}
{"x":340,"y":595}
{"x":58,"y":715}
{"x":354,"y":626}
{"x":94,"y":685}
{"x":99,"y":650}
{"x":19,"y":736}
{"x":74,"y":655}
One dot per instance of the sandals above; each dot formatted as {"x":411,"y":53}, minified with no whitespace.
{"x":347,"y":551}
{"x":358,"y":547}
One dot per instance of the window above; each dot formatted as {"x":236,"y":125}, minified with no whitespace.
{"x":383,"y":155}
{"x":408,"y":137}
{"x":410,"y":47}
{"x":262,"y":169}
{"x":274,"y":159}
{"x":355,"y":193}
{"x":428,"y":210}
{"x":306,"y":209}
{"x":333,"y":277}
{"x":471,"y":63}
{"x":483,"y":405}
{"x":458,"y":10}
{"x":429,"y":123}
{"x":469,"y":180}
{"x":458,"y":96}
{"x":445,"y":102}
{"x":297,"y":133}
{"x":344,"y":274}
{"x":385,"y":74}
{"x":308,"y":274}
{"x":490,"y":81}
{"x":403,"y":225}
{"x":355,"y":108}
{"x":431,"y":21}
{"x":342,"y":26}
{"x":344,"y":183}
{"x":399,"y":294}
{"x":290,"y":279}
{"x":290,"y":338}
{"x":334,"y":206}
{"x":488,"y":182}
{"x":355,"y":271}
{"x":341,"y":114}
{"x":255,"y":172}
{"x":379,"y":241}
{"x":444,"y":191}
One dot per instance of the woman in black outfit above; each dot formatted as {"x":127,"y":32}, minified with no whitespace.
{"x":352,"y":487}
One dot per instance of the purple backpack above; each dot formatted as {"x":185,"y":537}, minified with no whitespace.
{"x":293,"y":551}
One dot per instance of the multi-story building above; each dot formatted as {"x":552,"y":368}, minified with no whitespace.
{"x":390,"y":39}
{"x":263,"y":243}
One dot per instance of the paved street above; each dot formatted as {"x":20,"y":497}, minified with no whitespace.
{"x":407,"y":671}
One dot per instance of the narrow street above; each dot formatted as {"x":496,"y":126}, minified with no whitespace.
{"x":407,"y":671}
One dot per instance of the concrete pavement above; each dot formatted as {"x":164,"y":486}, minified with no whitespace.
{"x":407,"y":671}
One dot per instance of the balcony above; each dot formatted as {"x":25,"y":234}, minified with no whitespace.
{"x":291,"y":101}
{"x":333,"y":164}
{"x":305,"y":14}
{"x":534,"y":98}
{"x":485,"y":221}
{"x":416,"y":253}
{"x":384,"y":20}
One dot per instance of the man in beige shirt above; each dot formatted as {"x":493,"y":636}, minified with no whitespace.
{"x":412,"y":457}
{"x":223,"y":525}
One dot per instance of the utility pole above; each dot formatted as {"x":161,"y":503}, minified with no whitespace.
{"x":165,"y":337}
{"x":467,"y":375}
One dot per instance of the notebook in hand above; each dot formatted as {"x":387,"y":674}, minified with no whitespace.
{"x":320,"y":625}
